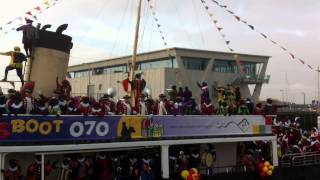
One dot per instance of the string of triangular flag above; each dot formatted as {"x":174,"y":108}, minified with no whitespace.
{"x":159,"y":26}
{"x":226,"y":41}
{"x":31,"y":14}
{"x":252,"y":27}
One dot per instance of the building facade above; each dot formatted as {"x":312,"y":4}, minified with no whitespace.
{"x":175,"y":66}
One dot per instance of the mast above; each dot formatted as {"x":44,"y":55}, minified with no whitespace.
{"x":134,"y":54}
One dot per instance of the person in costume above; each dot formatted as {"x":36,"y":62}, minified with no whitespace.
{"x":72,"y":108}
{"x":269,"y":108}
{"x":64,"y":170}
{"x":243,"y":108}
{"x":134,"y":170}
{"x":141,"y":107}
{"x":178,"y":107}
{"x":63,"y":103}
{"x":3,"y":104}
{"x":34,"y":169}
{"x":98,"y":109}
{"x":64,"y":88}
{"x":41,"y":104}
{"x":162,"y":106}
{"x":101,"y":167}
{"x":146,"y":170}
{"x":207,"y":108}
{"x":258,"y":109}
{"x":205,"y":91}
{"x":14,"y":171}
{"x":84,"y":107}
{"x":223,"y":109}
{"x":173,"y":93}
{"x":16,"y":61}
{"x":29,"y":36}
{"x":109,"y":104}
{"x":29,"y":102}
{"x":137,"y":85}
{"x":220,"y":95}
{"x":15,"y":104}
{"x":54,"y":107}
{"x":187,"y":94}
{"x":84,"y":168}
{"x":124,"y":106}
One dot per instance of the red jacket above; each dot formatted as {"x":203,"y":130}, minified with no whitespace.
{"x":124,"y":108}
{"x":207,"y":109}
{"x":166,"y":106}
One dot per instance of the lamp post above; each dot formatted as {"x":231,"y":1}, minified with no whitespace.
{"x":304,"y":98}
{"x":282,"y":94}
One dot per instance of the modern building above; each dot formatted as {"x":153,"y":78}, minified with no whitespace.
{"x":175,"y":66}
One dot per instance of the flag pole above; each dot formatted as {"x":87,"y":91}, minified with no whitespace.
{"x":134,"y":54}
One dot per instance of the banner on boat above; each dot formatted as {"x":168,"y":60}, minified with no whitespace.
{"x":93,"y":128}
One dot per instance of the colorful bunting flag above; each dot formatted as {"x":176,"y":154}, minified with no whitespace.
{"x":310,"y":66}
{"x":301,"y":61}
{"x":231,"y":12}
{"x":219,"y":28}
{"x":29,"y":13}
{"x":227,"y":42}
{"x":46,"y":3}
{"x":37,"y":8}
{"x":265,"y":36}
{"x":273,"y":41}
{"x":237,"y":17}
{"x":215,"y":21}
{"x":283,"y":48}
{"x":250,"y":26}
{"x":291,"y":55}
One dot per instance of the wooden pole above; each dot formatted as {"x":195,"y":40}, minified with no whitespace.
{"x":134,"y":54}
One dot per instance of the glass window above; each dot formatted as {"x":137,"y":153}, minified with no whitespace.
{"x":195,"y":63}
{"x":230,"y":66}
{"x":84,"y":73}
{"x":162,"y":63}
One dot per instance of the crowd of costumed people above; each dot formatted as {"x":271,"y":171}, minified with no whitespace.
{"x":178,"y":101}
{"x":125,"y":165}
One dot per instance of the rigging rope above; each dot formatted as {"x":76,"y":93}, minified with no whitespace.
{"x":251,"y":27}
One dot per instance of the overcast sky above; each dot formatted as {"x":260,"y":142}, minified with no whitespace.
{"x":104,"y":28}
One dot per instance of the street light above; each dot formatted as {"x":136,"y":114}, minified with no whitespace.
{"x":282,"y":94}
{"x":304,"y":97}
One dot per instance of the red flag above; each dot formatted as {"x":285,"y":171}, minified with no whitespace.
{"x":237,"y":17}
{"x":37,"y":8}
{"x":29,"y":13}
{"x":301,"y":61}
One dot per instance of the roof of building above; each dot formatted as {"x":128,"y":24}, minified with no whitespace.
{"x":145,"y":56}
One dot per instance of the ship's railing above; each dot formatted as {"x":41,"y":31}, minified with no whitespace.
{"x":252,"y":79}
{"x":300,"y":159}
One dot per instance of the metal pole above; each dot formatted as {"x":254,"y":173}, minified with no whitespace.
{"x":1,"y":174}
{"x":165,"y":161}
{"x":304,"y":98}
{"x":134,"y":54}
{"x":318,"y":71}
{"x":42,"y":166}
